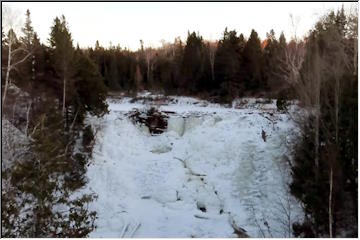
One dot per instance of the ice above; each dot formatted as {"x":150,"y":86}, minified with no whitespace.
{"x":161,"y":148}
{"x":181,"y":125}
{"x":192,"y":122}
{"x":176,"y":124}
{"x":210,"y":157}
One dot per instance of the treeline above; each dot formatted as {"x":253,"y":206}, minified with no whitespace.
{"x":325,"y":166}
{"x":231,"y":67}
{"x":47,"y":91}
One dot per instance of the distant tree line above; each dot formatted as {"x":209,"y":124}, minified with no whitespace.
{"x":222,"y":70}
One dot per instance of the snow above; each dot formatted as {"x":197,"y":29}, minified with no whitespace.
{"x":209,"y":170}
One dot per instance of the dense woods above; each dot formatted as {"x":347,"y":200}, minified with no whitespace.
{"x":221,"y":71}
{"x":49,"y":88}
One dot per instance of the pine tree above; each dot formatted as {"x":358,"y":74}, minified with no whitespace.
{"x":194,"y":62}
{"x":90,"y":88}
{"x":253,"y":61}
{"x":271,"y":54}
{"x":63,"y":51}
{"x":282,"y":40}
{"x":229,"y":65}
{"x":31,"y":43}
{"x":44,"y":181}
{"x":28,"y":32}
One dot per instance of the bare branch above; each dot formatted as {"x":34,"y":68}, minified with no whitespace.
{"x":22,"y":60}
{"x":19,"y":50}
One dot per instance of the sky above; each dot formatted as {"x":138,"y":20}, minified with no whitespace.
{"x":126,"y":23}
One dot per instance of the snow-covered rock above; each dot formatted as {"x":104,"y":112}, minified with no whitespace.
{"x":14,"y":144}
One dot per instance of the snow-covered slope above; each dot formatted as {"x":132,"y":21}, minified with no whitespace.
{"x":209,"y":172}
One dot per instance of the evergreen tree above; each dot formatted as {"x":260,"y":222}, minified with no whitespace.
{"x":44,"y":182}
{"x":271,"y":54}
{"x":194,"y":64}
{"x":31,"y":43}
{"x":90,"y":87}
{"x":112,"y":73}
{"x":282,"y":40}
{"x":28,"y":32}
{"x":63,"y":51}
{"x":253,"y":61}
{"x":177,"y":61}
{"x":228,"y":65}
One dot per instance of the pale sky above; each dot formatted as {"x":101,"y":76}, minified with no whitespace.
{"x":127,"y":23}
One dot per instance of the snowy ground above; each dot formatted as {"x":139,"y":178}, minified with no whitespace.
{"x":209,"y":172}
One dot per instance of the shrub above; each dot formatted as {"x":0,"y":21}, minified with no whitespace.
{"x":281,"y":101}
{"x":88,"y":136}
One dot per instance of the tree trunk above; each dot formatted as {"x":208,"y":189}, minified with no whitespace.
{"x":317,"y":129}
{"x":148,"y":71}
{"x":212,"y":61}
{"x":64,"y":95}
{"x":7,"y":73}
{"x":33,"y":68}
{"x":27,"y":119}
{"x":73,"y":122}
{"x":355,"y":55}
{"x":317,"y":93}
{"x":330,"y":204}
{"x":212,"y":71}
{"x":337,"y":108}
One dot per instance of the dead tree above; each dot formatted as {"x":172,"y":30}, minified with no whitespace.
{"x":149,"y":55}
{"x":212,"y":46}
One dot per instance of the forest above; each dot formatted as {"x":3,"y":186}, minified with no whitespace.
{"x":50,"y":87}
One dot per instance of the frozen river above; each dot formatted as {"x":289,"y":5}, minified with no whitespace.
{"x":212,"y":173}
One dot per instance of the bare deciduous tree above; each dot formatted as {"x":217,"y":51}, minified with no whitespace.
{"x":212,"y":46}
{"x":149,"y":55}
{"x":293,"y":58}
{"x":11,"y":22}
{"x":308,"y":86}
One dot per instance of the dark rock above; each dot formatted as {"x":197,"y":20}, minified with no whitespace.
{"x":155,"y":120}
{"x":263,"y":135}
{"x":201,"y":206}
